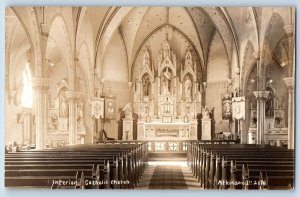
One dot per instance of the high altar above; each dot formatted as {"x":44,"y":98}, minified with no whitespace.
{"x":167,"y":99}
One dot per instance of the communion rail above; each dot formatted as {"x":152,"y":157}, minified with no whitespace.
{"x":170,"y":146}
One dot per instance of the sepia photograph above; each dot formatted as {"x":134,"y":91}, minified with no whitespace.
{"x":142,"y":98}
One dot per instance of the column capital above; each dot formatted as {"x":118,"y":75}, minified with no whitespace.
{"x":45,"y":29}
{"x":11,"y":95}
{"x":72,"y":96}
{"x":204,"y":85}
{"x":28,"y":55}
{"x":26,"y":110}
{"x":261,"y":95}
{"x":256,"y":54}
{"x":290,"y":82}
{"x":40,"y":83}
{"x":130,"y":84}
{"x":76,"y":58}
{"x":289,"y":29}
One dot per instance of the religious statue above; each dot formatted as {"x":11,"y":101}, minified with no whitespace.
{"x":53,"y":122}
{"x":205,"y":112}
{"x":146,"y":85}
{"x":80,"y":123}
{"x":188,"y":88}
{"x":128,"y":111}
{"x":98,"y":92}
{"x":269,"y":103}
{"x":166,"y":82}
{"x":63,"y":100}
{"x":164,"y":87}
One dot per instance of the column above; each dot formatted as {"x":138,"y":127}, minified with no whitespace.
{"x":41,"y":69}
{"x":100,"y":121}
{"x":41,"y":86}
{"x":290,"y":82}
{"x":259,"y":74}
{"x":72,"y":98}
{"x":289,"y":29}
{"x":261,"y":97}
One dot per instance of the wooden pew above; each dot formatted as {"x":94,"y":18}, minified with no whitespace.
{"x":56,"y":168}
{"x":131,"y":162}
{"x":274,"y":166}
{"x":212,"y":163}
{"x":131,"y":157}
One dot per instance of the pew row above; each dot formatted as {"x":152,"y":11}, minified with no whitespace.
{"x":236,"y":166}
{"x":107,"y":166}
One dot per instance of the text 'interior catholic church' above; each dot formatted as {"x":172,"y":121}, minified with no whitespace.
{"x":200,"y":84}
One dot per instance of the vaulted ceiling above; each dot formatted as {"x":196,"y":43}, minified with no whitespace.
{"x":87,"y":32}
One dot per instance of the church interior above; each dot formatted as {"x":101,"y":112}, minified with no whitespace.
{"x":149,"y":97}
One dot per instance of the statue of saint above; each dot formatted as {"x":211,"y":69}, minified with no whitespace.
{"x":166,"y":82}
{"x":146,"y":85}
{"x":80,"y":123}
{"x":164,"y":87}
{"x":53,"y":122}
{"x":205,"y":112}
{"x":269,"y":106}
{"x":188,"y":89}
{"x":128,"y":111}
{"x":63,"y":100}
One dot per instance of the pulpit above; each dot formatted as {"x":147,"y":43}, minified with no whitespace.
{"x":206,"y":129}
{"x":127,"y":129}
{"x":127,"y":123}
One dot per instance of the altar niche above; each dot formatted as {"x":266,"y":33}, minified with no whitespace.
{"x":58,"y":128}
{"x":167,"y":99}
{"x":275,"y":126}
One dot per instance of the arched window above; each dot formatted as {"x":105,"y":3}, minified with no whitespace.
{"x":26,"y":98}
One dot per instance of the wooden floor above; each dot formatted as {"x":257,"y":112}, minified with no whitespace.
{"x":168,"y":174}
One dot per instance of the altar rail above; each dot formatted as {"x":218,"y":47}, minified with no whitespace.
{"x":171,"y":146}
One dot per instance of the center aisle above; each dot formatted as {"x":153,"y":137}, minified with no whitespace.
{"x":168,"y":175}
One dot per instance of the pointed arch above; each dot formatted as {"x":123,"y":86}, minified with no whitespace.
{"x":247,"y":65}
{"x":85,"y":57}
{"x":158,"y":29}
{"x":58,"y":24}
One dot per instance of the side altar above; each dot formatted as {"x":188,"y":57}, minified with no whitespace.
{"x":59,"y":122}
{"x":167,"y":97}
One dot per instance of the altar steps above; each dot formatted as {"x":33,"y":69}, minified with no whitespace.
{"x":166,"y":156}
